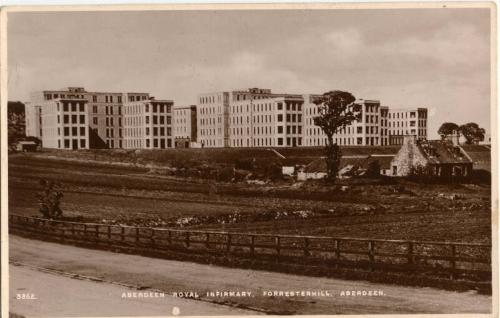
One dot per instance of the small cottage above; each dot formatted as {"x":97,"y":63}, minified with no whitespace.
{"x":441,"y":158}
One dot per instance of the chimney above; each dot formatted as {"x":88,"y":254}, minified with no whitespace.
{"x":454,"y":138}
{"x":410,"y":139}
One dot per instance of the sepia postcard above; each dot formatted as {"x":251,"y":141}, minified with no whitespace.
{"x":249,"y":159}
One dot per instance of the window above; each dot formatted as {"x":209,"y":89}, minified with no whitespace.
{"x":74,"y":131}
{"x":155,"y":131}
{"x":169,"y":131}
{"x":82,"y":131}
{"x":107,"y":99}
{"x":94,"y":99}
{"x":162,"y":120}
{"x":82,"y":107}
{"x":169,"y":120}
{"x":66,"y":131}
{"x":82,"y":143}
{"x":280,"y":141}
{"x":65,"y":107}
{"x":360,"y":130}
{"x":147,"y":119}
{"x":66,"y":143}
{"x":73,"y":107}
{"x":162,"y":131}
{"x":147,"y":143}
{"x":147,"y":108}
{"x":280,"y":129}
{"x":155,"y":120}
{"x":74,"y":119}
{"x":119,"y":99}
{"x":280,"y":106}
{"x":82,"y":119}
{"x":66,"y":119}
{"x":94,"y":109}
{"x":280,"y":117}
{"x":147,"y":131}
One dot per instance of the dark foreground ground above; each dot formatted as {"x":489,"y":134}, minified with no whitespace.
{"x":135,"y":195}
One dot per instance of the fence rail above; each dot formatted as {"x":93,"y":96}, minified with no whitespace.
{"x":449,"y":260}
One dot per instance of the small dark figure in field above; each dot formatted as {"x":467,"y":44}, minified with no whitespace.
{"x":49,"y":200}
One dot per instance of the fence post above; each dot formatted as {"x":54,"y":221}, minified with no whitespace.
{"x":306,"y":246}
{"x":187,"y":239}
{"x":97,"y":233}
{"x":228,"y":246}
{"x":336,"y":246}
{"x":277,"y":241}
{"x":410,"y":253}
{"x":371,"y":249}
{"x":453,"y":261}
{"x":252,"y":244}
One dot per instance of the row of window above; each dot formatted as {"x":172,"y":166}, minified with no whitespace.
{"x":74,"y":131}
{"x":72,"y":143}
{"x":73,"y":106}
{"x":75,"y":119}
{"x":111,"y":143}
{"x":55,"y":96}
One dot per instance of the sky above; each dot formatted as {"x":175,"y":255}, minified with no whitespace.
{"x":406,"y":58}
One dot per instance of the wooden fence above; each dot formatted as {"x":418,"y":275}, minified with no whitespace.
{"x":455,"y":261}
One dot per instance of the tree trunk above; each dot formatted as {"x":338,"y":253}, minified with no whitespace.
{"x":333,"y":155}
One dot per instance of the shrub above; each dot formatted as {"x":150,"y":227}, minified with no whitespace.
{"x":49,"y":200}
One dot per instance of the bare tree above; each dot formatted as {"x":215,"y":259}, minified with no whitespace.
{"x":337,"y":109}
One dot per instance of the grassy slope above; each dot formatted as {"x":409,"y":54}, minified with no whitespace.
{"x":103,"y":192}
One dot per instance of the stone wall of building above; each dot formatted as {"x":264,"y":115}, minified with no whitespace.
{"x":407,"y":157}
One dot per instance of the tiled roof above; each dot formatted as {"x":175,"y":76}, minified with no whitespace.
{"x":442,"y":152}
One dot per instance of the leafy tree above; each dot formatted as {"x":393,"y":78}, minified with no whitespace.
{"x":49,"y":200}
{"x":337,"y":109}
{"x":472,"y":133}
{"x":447,"y":129}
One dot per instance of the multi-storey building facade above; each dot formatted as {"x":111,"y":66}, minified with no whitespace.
{"x":64,"y":123}
{"x":407,"y":122}
{"x":368,"y":131}
{"x":104,"y":111}
{"x":185,"y":126}
{"x":249,"y":118}
{"x":148,"y":124}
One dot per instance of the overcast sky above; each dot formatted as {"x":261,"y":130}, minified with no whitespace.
{"x":434,"y":58}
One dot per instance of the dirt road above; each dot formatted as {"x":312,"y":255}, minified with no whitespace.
{"x":62,"y":296}
{"x":174,"y":276}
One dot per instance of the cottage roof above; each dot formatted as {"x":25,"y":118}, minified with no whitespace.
{"x":480,"y":156}
{"x":442,"y":152}
{"x":319,"y":165}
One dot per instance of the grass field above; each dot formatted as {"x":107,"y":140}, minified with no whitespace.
{"x":131,"y":195}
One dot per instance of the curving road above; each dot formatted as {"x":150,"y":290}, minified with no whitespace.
{"x":82,"y":297}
